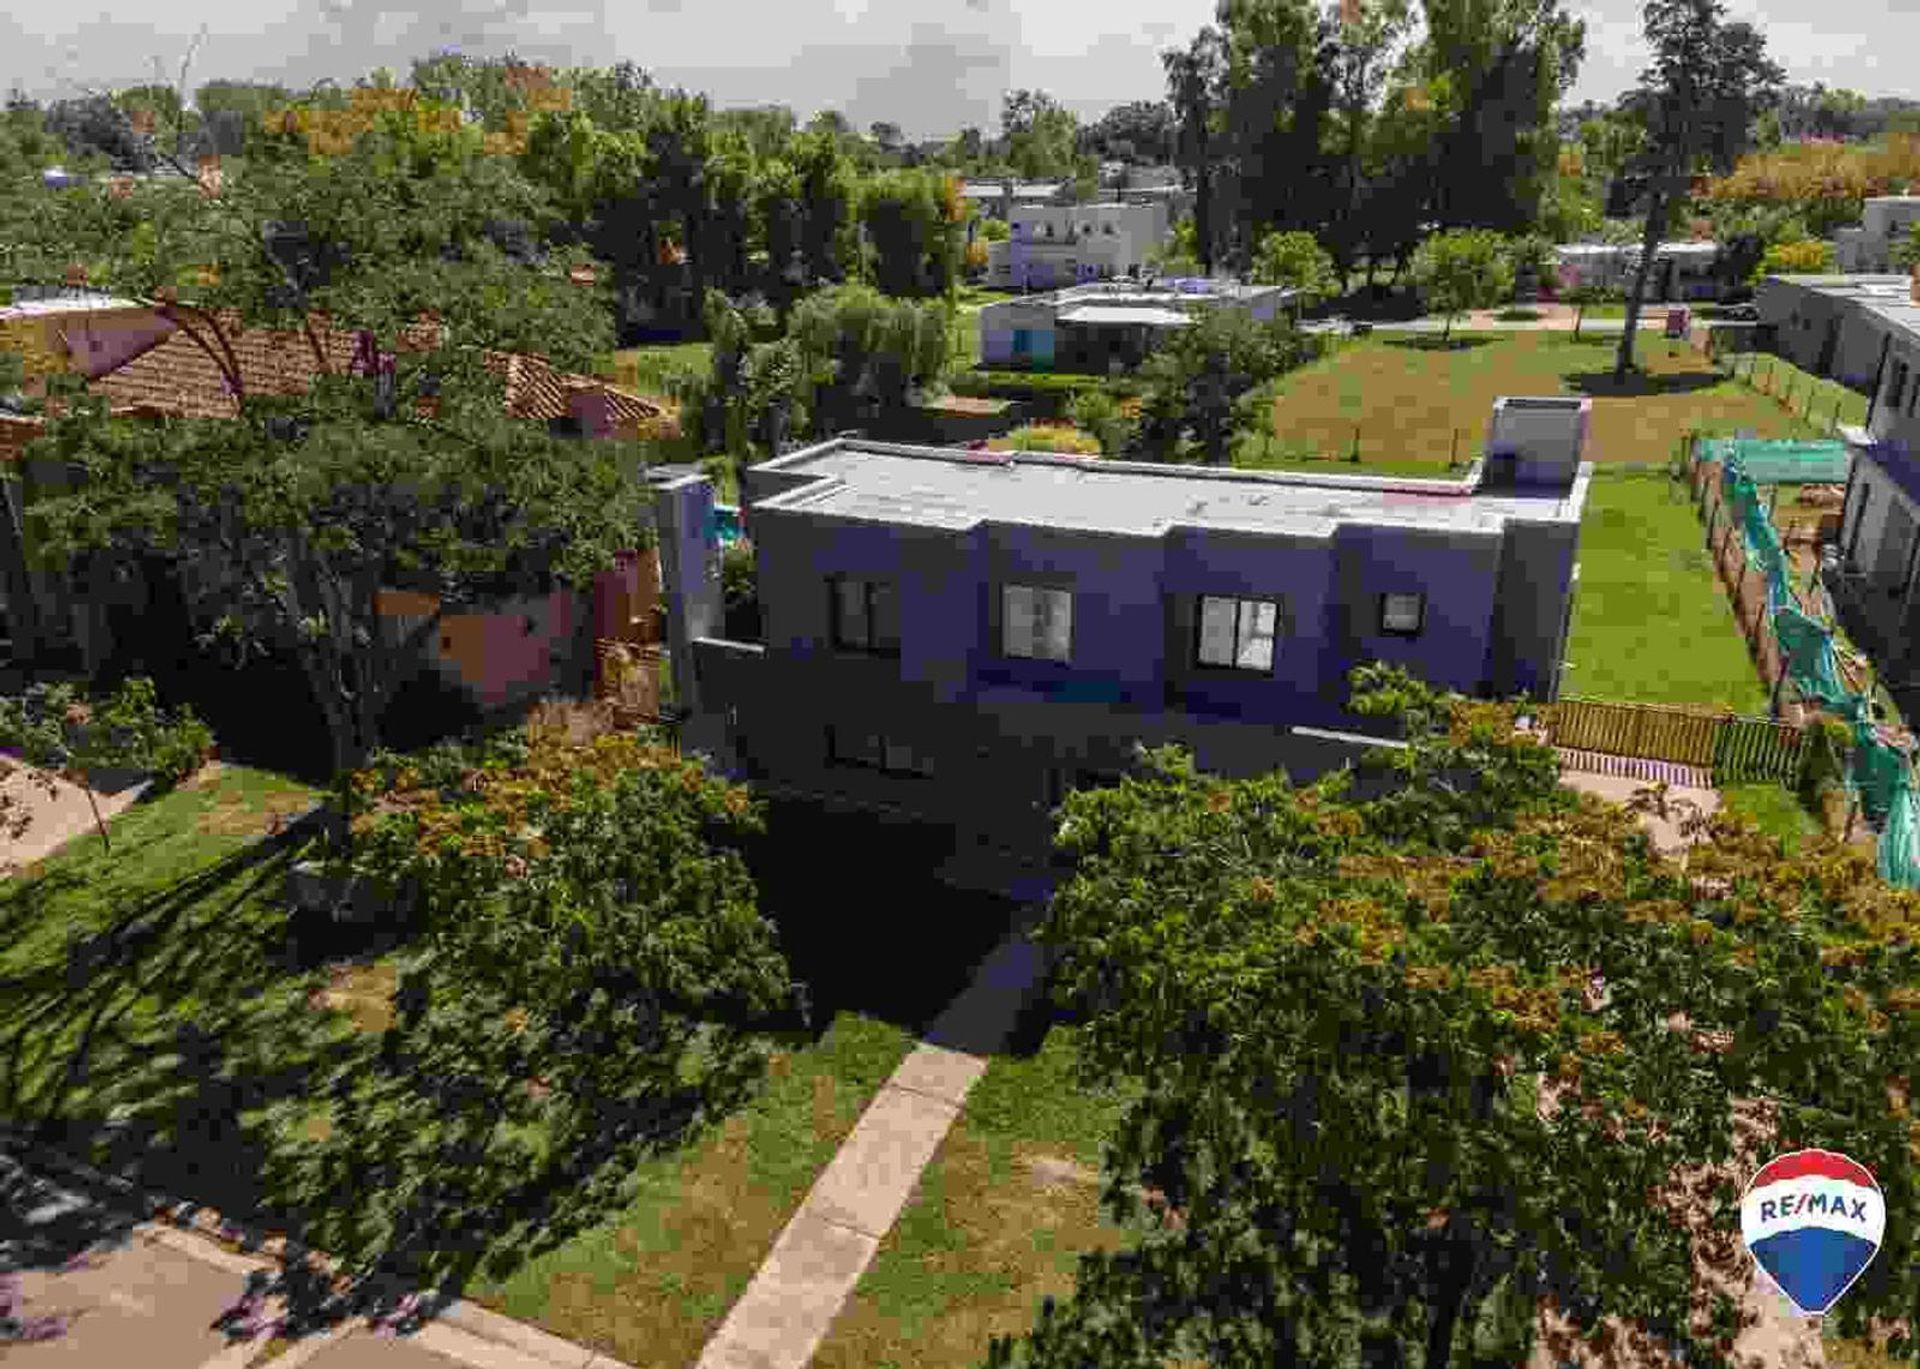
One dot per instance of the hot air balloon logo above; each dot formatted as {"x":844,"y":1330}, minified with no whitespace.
{"x":1813,"y":1220}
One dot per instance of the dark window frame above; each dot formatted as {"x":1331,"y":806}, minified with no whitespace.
{"x":1004,"y":618}
{"x":921,"y":765}
{"x":875,"y":644}
{"x":1420,"y":617}
{"x":1240,"y":606}
{"x":1897,"y":385}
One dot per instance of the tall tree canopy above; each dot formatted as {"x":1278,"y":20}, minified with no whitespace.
{"x":1697,"y":100}
{"x":1414,"y":1065}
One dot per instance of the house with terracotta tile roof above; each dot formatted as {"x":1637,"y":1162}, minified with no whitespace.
{"x":149,"y":364}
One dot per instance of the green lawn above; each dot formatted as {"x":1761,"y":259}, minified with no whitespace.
{"x":1412,"y":402}
{"x":1819,"y":401}
{"x":1776,"y":809}
{"x":1000,"y":1217}
{"x":652,"y":1284}
{"x":1651,"y":621}
{"x":649,"y":370}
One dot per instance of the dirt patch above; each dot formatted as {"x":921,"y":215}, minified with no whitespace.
{"x":238,"y":814}
{"x":1053,"y":1171}
{"x":362,"y":992}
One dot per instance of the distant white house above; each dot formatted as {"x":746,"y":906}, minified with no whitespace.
{"x":1681,"y":270}
{"x":999,"y":199}
{"x":1868,"y":246}
{"x":1110,"y":326}
{"x":1058,"y":245}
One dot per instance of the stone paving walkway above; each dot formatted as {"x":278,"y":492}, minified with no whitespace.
{"x":779,"y":1322}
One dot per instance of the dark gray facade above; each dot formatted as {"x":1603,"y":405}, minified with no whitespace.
{"x":1219,"y":609}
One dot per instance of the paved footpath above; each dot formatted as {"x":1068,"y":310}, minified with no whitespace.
{"x":150,"y":1294}
{"x":784,"y":1314}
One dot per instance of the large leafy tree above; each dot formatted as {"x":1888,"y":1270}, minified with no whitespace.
{"x":403,"y":471}
{"x":1276,"y":119}
{"x":287,"y":524}
{"x":1137,"y":131}
{"x":1197,"y":89}
{"x":1697,"y":101}
{"x":589,"y":987}
{"x":858,"y":351}
{"x":1041,"y":137}
{"x":1461,"y":270}
{"x":1202,"y":383}
{"x":914,"y":222}
{"x":1360,"y":59}
{"x":1413,"y":1067}
{"x":1496,"y":69}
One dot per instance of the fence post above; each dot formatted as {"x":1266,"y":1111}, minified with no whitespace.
{"x":1453,"y":453}
{"x":1354,"y":453}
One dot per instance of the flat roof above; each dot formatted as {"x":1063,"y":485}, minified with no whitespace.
{"x":1672,"y":249}
{"x":70,"y":304}
{"x":1148,"y":315}
{"x":957,"y":489}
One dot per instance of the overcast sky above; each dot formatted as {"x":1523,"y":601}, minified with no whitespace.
{"x":931,"y":66}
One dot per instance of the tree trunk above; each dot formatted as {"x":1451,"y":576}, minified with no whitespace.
{"x":1649,"y":243}
{"x":1579,"y":315}
{"x":98,"y":821}
{"x":1452,"y":1274}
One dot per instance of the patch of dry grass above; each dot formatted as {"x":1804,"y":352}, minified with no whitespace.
{"x":248,"y":803}
{"x":1415,"y":402}
{"x":363,"y":992}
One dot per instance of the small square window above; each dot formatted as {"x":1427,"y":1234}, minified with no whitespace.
{"x":1037,"y":622}
{"x":1401,"y":614}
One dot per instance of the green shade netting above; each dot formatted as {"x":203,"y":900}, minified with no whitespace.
{"x":1881,"y":774}
{"x":1769,"y":461}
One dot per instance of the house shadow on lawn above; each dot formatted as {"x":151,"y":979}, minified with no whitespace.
{"x":863,"y":921}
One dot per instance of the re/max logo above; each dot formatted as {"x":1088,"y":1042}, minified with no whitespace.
{"x":1796,"y":1203}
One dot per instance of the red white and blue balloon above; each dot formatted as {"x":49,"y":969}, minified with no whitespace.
{"x":1813,"y":1220}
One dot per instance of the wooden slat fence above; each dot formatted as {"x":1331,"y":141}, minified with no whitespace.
{"x":1734,"y":748}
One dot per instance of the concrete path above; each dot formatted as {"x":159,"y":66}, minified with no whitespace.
{"x":153,"y":1294}
{"x":1619,"y":788}
{"x":779,"y":1322}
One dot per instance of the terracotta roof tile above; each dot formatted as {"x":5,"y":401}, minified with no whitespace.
{"x":178,"y":376}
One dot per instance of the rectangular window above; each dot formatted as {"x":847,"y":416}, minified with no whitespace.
{"x":1037,"y":623}
{"x":866,"y":616}
{"x":1897,"y":386}
{"x":871,"y":751}
{"x":1237,"y":634}
{"x":1401,"y":615}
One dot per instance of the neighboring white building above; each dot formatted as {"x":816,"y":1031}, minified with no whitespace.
{"x":1681,"y":271}
{"x":1108,"y":327}
{"x":1058,"y":245}
{"x":999,"y":199}
{"x":1835,"y":326}
{"x":1868,"y":245}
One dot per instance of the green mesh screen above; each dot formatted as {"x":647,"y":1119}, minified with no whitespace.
{"x":1881,"y":774}
{"x":1773,"y":462}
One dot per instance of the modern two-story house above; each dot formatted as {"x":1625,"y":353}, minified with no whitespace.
{"x":959,"y":636}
